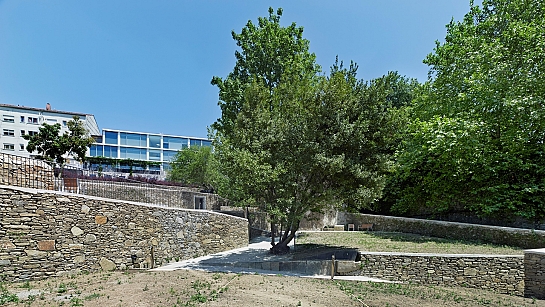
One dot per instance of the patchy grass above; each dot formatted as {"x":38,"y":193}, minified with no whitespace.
{"x":398,"y":242}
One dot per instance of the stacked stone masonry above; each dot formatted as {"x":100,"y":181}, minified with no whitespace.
{"x":45,"y":233}
{"x":24,"y":172}
{"x":503,"y":274}
{"x":534,"y":273}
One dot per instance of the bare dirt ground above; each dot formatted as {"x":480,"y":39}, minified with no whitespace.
{"x":197,"y":288}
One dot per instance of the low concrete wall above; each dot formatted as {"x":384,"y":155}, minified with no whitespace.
{"x":45,"y":233}
{"x":524,"y":238}
{"x":534,"y":273}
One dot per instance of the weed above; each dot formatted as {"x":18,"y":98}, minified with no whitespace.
{"x":62,"y":288}
{"x":76,"y":302}
{"x":26,"y":285}
{"x":6,"y":296}
{"x":92,"y":296}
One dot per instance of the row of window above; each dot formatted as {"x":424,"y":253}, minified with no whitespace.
{"x":11,"y":132}
{"x":31,"y":120}
{"x":131,"y":153}
{"x":8,"y":146}
{"x":141,"y":140}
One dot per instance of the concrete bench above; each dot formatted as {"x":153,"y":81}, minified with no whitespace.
{"x":365,"y":227}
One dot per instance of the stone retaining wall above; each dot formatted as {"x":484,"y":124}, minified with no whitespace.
{"x":25,"y":172}
{"x":45,"y":233}
{"x":534,"y":270}
{"x":171,"y":196}
{"x":524,"y":238}
{"x":503,"y":274}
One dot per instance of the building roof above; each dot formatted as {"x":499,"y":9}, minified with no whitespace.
{"x":43,"y":110}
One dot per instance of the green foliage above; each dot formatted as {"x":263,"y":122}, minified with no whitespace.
{"x":291,"y":141}
{"x":196,"y":165}
{"x":477,"y":141}
{"x":6,"y":296}
{"x":55,"y":147}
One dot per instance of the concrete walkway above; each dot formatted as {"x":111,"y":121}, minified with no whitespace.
{"x":242,"y":260}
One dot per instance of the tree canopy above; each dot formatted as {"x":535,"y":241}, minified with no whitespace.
{"x":56,"y":147}
{"x":477,"y":139}
{"x":196,"y":165}
{"x":292,"y":141}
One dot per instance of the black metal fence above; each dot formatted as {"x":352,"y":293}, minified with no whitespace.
{"x":25,"y":172}
{"x":132,"y":188}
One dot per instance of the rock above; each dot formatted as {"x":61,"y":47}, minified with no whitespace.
{"x":100,"y":219}
{"x":90,"y":238}
{"x":35,"y":253}
{"x":85,"y":209}
{"x":79,"y":259}
{"x":46,"y":245}
{"x":106,"y":264}
{"x":76,"y":231}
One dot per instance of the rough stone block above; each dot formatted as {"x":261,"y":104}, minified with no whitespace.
{"x":100,"y":219}
{"x":46,"y":245}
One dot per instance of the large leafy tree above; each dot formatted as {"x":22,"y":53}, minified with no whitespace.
{"x":196,"y":165}
{"x":56,"y":147}
{"x":478,"y":139}
{"x":292,"y":141}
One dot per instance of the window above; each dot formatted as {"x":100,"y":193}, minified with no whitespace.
{"x":110,"y":137}
{"x":51,"y":121}
{"x":22,"y":132}
{"x":22,"y":119}
{"x":206,"y":143}
{"x":155,"y":141}
{"x":9,"y":119}
{"x":9,"y":132}
{"x":64,"y":123}
{"x":32,"y":132}
{"x":110,"y":151}
{"x":174,"y":143}
{"x":195,"y":142}
{"x":9,"y":146}
{"x":133,"y":139}
{"x":132,"y":153}
{"x":154,"y":155}
{"x":21,"y":146}
{"x":168,"y":155}
{"x":96,"y":150}
{"x":32,"y":120}
{"x":200,"y":202}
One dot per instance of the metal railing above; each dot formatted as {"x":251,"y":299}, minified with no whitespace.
{"x":25,"y":172}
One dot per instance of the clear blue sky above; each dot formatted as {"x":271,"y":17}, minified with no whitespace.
{"x":147,"y":65}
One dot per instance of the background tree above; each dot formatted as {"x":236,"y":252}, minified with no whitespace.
{"x":55,"y":147}
{"x":196,"y":165}
{"x":477,"y":141}
{"x":291,"y":141}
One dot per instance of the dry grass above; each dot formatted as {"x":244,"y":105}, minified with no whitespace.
{"x":399,"y":242}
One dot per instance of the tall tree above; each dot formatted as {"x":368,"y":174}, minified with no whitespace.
{"x":479,"y":139}
{"x":56,"y":147}
{"x":291,"y":141}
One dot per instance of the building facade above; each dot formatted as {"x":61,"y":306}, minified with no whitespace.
{"x":157,"y":148}
{"x":16,"y":121}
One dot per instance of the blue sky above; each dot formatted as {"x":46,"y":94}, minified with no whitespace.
{"x":147,"y":65}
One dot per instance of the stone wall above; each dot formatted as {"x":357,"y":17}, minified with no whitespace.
{"x":503,"y":274}
{"x":171,"y":196}
{"x":46,"y":233}
{"x":534,"y":270}
{"x":524,"y":238}
{"x":25,"y":172}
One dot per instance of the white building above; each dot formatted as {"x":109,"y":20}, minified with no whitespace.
{"x":142,"y":146}
{"x":16,"y":121}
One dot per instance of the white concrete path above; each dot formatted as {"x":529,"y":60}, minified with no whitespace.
{"x":257,"y":251}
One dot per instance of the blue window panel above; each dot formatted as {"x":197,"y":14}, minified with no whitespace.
{"x":174,"y":143}
{"x":110,"y":151}
{"x":154,"y":155}
{"x":110,"y":137}
{"x":155,"y":141}
{"x":206,"y":143}
{"x":96,"y":151}
{"x":169,"y":155}
{"x":133,"y":139}
{"x":132,"y":153}
{"x":195,"y":142}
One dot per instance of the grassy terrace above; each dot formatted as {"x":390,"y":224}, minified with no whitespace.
{"x":397,"y":242}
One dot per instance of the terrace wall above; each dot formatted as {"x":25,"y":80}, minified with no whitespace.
{"x":47,"y":233}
